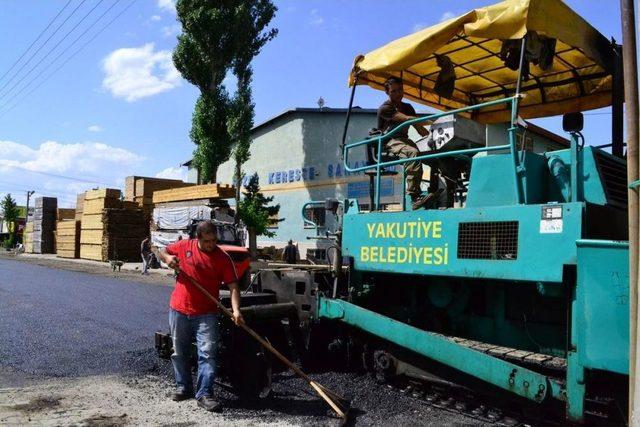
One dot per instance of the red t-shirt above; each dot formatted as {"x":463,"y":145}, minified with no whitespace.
{"x":209,"y":269}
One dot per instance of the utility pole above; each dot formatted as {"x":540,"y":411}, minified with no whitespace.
{"x":26,"y":215}
{"x":629,"y":58}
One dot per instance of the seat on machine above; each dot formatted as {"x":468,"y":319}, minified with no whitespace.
{"x":372,"y":155}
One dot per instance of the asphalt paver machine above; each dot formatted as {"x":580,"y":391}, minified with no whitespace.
{"x":522,"y":286}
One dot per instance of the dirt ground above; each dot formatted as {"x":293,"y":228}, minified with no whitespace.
{"x":103,"y":401}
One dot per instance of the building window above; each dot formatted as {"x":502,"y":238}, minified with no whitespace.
{"x":316,"y":214}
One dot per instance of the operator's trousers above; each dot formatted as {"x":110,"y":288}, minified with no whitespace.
{"x":204,"y":330}
{"x":405,"y":148}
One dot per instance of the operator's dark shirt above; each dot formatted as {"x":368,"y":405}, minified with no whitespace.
{"x":385,"y":121}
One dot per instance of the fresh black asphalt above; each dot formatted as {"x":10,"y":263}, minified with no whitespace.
{"x":57,"y":323}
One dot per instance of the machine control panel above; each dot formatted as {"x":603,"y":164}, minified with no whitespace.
{"x":452,"y":133}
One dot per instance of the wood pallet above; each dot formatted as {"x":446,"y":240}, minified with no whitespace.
{"x":207,"y":191}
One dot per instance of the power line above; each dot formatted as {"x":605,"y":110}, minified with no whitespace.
{"x":52,"y":49}
{"x":35,"y":41}
{"x":65,"y":50}
{"x":54,"y":175}
{"x":69,"y":58}
{"x":43,"y":45}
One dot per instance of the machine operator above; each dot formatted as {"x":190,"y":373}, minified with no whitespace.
{"x":193,"y":315}
{"x":392,"y":113}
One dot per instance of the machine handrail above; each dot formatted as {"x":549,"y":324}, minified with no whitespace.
{"x":307,"y":221}
{"x":379,"y":165}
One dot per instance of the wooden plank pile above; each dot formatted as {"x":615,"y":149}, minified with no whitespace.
{"x":64,"y":213}
{"x":44,"y":224}
{"x":27,"y":237}
{"x":140,"y":189}
{"x":196,"y":192}
{"x":79,"y":206}
{"x":68,"y":238}
{"x":110,"y":228}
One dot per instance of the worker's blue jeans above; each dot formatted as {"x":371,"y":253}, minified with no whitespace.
{"x":204,"y":329}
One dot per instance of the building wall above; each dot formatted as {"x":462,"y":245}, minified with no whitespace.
{"x":298,"y":159}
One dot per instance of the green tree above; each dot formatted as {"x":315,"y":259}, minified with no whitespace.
{"x":217,"y":37}
{"x":256,"y":214}
{"x":203,"y":56}
{"x":253,"y":17}
{"x":10,"y":214}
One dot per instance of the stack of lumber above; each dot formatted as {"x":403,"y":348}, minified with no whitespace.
{"x":27,"y":237}
{"x":63,"y":214}
{"x":137,"y":188}
{"x":68,"y":238}
{"x":110,"y":228}
{"x":195,"y":192}
{"x":140,"y":189}
{"x":79,"y":206}
{"x":44,"y":224}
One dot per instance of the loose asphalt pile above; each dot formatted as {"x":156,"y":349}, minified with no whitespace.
{"x":292,"y":401}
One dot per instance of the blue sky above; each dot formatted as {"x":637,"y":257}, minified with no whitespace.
{"x":119,"y":108}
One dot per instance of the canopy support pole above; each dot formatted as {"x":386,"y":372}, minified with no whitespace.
{"x":346,"y":123}
{"x":517,"y":167}
{"x":617,"y":102}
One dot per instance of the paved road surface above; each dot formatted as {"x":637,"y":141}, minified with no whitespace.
{"x":77,"y":349}
{"x":63,"y":323}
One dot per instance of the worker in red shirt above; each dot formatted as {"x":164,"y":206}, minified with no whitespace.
{"x":193,"y":315}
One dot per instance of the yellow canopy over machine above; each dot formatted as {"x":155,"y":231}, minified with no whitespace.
{"x":570,"y":64}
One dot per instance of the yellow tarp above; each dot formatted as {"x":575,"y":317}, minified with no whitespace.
{"x":579,"y":78}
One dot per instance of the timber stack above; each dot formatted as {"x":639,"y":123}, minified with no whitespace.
{"x":79,"y":206}
{"x":44,"y":224}
{"x":27,"y":237}
{"x":68,"y":238}
{"x":110,"y":228}
{"x":176,"y":209}
{"x":140,"y":189}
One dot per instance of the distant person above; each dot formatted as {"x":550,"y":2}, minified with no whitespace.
{"x":193,"y":316}
{"x":145,"y":253}
{"x":392,"y":113}
{"x":290,"y":254}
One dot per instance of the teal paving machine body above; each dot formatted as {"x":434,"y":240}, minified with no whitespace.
{"x":519,"y":287}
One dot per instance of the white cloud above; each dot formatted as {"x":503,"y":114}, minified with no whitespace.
{"x":173,"y":173}
{"x":139,"y":72}
{"x":155,"y":18}
{"x":171,"y":30}
{"x":316,"y":19}
{"x":63,"y":169}
{"x":56,"y":157}
{"x":95,"y":128}
{"x":167,"y":5}
{"x":447,"y":15}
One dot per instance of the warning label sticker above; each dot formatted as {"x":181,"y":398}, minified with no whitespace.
{"x":551,"y":219}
